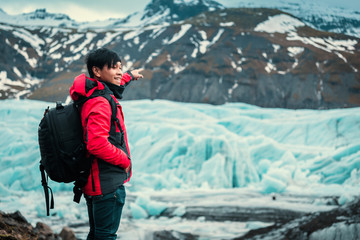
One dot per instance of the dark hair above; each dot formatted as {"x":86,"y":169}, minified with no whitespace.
{"x":99,"y":58}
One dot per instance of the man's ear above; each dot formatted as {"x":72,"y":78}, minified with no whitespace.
{"x":96,"y":71}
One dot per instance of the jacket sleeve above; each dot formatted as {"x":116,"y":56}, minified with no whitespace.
{"x":126,"y":78}
{"x":96,"y":115}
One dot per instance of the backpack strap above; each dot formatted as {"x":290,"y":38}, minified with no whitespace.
{"x":106,"y":94}
{"x":46,"y":191}
{"x":83,"y":178}
{"x":81,"y":182}
{"x":115,"y":120}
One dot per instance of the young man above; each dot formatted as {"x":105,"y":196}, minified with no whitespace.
{"x":106,"y":140}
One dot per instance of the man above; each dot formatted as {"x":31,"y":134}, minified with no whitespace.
{"x":106,"y":140}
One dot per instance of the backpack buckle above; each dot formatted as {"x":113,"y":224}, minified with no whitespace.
{"x":59,"y":105}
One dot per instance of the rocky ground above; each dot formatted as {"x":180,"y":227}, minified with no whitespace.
{"x":342,"y":223}
{"x":14,"y":226}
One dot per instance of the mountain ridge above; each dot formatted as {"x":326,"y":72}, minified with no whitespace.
{"x":216,"y":56}
{"x":316,"y":15}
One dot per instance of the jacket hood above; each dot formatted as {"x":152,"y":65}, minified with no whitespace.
{"x":84,"y":86}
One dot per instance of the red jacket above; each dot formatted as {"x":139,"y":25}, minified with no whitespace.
{"x":108,"y":167}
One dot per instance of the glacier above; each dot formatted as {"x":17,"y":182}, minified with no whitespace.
{"x":191,"y":154}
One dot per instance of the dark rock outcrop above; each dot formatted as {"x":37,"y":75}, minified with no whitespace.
{"x":14,"y":226}
{"x":342,"y":223}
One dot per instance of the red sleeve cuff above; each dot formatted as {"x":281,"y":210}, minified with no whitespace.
{"x":126,"y":78}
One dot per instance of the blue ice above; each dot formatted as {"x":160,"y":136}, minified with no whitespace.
{"x":184,"y":146}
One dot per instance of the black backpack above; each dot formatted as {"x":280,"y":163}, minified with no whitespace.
{"x":62,"y":148}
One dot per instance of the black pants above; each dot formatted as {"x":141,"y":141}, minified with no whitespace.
{"x":105,"y":214}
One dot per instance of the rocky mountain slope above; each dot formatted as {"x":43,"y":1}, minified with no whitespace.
{"x":321,"y":14}
{"x":211,"y":54}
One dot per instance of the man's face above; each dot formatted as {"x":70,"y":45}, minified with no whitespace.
{"x":112,"y":75}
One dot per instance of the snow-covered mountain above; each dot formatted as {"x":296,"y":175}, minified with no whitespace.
{"x":321,"y":14}
{"x":192,"y":51}
{"x":156,"y":12}
{"x":38,"y":18}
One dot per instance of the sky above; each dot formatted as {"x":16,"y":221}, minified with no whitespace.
{"x":89,"y":10}
{"x":79,"y":10}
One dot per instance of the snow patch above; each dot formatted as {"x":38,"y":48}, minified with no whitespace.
{"x":281,"y":23}
{"x":132,"y":34}
{"x":154,"y":54}
{"x":230,"y":90}
{"x":204,"y":44}
{"x":107,"y":39}
{"x":227,"y":24}
{"x":294,"y":51}
{"x":180,"y":34}
{"x":55,"y":48}
{"x":32,"y":61}
{"x":73,"y":38}
{"x":17,"y":72}
{"x":270,"y":67}
{"x":24,"y":84}
{"x":276,"y":47}
{"x":326,"y":44}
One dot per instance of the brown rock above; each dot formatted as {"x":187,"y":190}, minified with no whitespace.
{"x":67,"y":234}
{"x":15,"y":226}
{"x":44,"y":231}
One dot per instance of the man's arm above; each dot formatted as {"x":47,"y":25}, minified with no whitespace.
{"x":97,"y":113}
{"x":136,"y":73}
{"x":131,"y":75}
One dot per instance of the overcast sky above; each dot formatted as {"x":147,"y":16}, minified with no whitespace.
{"x":79,"y":10}
{"x":90,"y":10}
